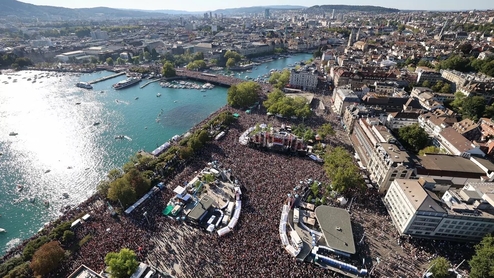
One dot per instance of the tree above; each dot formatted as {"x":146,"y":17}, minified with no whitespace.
{"x":440,"y":267}
{"x":280,"y":80}
{"x":135,"y":60}
{"x":138,"y":182}
{"x":340,"y":168}
{"x":445,"y":89}
{"x":230,"y":62}
{"x":120,"y":61}
{"x":94,"y":60}
{"x":232,"y":54}
{"x":473,"y":107}
{"x":32,"y":246}
{"x":47,"y":258}
{"x":147,"y":56}
{"x":121,"y":191}
{"x":426,"y":83}
{"x":168,"y":70}
{"x":429,"y":149}
{"x":458,"y":101}
{"x":214,"y":62}
{"x":482,"y":263}
{"x":109,"y":61}
{"x":68,"y":236}
{"x":244,"y":94}
{"x":325,"y":131}
{"x":414,"y":136}
{"x":122,"y":264}
{"x":20,"y":271}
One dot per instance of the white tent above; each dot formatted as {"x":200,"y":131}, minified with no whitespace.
{"x":342,"y":200}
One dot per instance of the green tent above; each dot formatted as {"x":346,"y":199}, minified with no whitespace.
{"x":236,"y":115}
{"x":168,"y":210}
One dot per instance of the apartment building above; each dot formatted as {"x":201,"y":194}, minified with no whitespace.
{"x":464,"y":214}
{"x":380,"y":153}
{"x":305,"y":79}
{"x":343,"y":97}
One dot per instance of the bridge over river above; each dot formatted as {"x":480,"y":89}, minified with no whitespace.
{"x":217,"y":79}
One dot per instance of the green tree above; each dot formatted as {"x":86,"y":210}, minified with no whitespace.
{"x":325,"y":131}
{"x":414,"y":136}
{"x":138,"y":182}
{"x":429,"y":149}
{"x":232,"y":54}
{"x":32,"y":246}
{"x":147,"y":56}
{"x":109,"y":61}
{"x":280,"y":79}
{"x":214,"y":62}
{"x":121,"y":191}
{"x":94,"y":60}
{"x":68,"y":236}
{"x":122,"y":264}
{"x":10,"y":264}
{"x":426,"y":83}
{"x":47,"y":258}
{"x":244,"y":94}
{"x":458,"y":101}
{"x":198,"y":56}
{"x":440,"y":267}
{"x":135,"y":60}
{"x":230,"y":62}
{"x":168,"y":70}
{"x":482,"y":263}
{"x":446,"y":88}
{"x":473,"y":107}
{"x":120,"y":61}
{"x":340,"y":168}
{"x":20,"y":271}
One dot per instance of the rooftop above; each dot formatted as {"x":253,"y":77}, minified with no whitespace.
{"x":202,"y":206}
{"x":418,"y":196}
{"x":450,"y":163}
{"x":337,"y":228}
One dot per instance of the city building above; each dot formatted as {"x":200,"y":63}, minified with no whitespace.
{"x":380,"y":153}
{"x":468,"y":129}
{"x":343,"y":97}
{"x":425,"y":74}
{"x":464,"y":214}
{"x":397,"y":120}
{"x":352,"y":113}
{"x":99,"y":35}
{"x":305,"y":78}
{"x":266,"y":13}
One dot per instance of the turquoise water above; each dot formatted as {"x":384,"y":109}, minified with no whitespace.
{"x":59,"y":149}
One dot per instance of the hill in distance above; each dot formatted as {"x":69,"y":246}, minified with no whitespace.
{"x":257,"y":9}
{"x":25,"y":10}
{"x":349,"y":8}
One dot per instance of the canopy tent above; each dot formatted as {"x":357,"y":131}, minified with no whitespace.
{"x":168,"y":210}
{"x":342,"y":200}
{"x":236,"y":115}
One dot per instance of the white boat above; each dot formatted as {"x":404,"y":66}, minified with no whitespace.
{"x":84,"y":85}
{"x":158,"y":95}
{"x":2,"y":230}
{"x":126,"y":83}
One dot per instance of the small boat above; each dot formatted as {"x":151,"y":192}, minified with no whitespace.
{"x":47,"y":171}
{"x":46,"y":203}
{"x":158,"y":95}
{"x":77,"y":103}
{"x":96,"y":123}
{"x":136,"y":98}
{"x":65,"y":195}
{"x":19,"y":187}
{"x":32,"y":200}
{"x":2,"y":230}
{"x":13,"y":133}
{"x":101,"y":92}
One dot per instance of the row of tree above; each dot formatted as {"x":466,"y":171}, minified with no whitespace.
{"x":244,"y":94}
{"x":11,"y":60}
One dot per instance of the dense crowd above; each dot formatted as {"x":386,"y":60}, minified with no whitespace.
{"x":254,"y":248}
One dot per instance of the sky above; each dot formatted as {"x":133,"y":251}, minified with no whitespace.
{"x":211,"y":5}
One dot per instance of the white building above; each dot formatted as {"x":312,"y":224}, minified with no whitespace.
{"x":461,"y":214}
{"x":380,"y":153}
{"x":342,"y":98}
{"x":304,"y":79}
{"x":67,"y":56}
{"x":99,"y":35}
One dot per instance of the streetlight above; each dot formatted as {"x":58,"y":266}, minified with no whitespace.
{"x":145,"y":214}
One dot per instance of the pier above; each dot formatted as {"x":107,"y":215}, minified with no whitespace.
{"x":106,"y":78}
{"x":149,"y":82}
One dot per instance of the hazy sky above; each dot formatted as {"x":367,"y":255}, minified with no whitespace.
{"x":208,"y":5}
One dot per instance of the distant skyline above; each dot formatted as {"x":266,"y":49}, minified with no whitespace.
{"x":211,"y":5}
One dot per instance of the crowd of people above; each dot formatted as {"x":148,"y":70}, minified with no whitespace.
{"x":254,"y":248}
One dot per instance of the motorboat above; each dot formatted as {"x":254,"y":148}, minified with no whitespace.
{"x":65,"y":195}
{"x":136,"y":98}
{"x":19,"y":187}
{"x":119,"y":137}
{"x":47,"y":171}
{"x":2,"y":230}
{"x":84,"y":85}
{"x":96,"y":123}
{"x":158,"y":95}
{"x":13,"y":133}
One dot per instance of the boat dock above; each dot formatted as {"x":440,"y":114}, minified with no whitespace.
{"x":149,"y":82}
{"x":106,"y":78}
